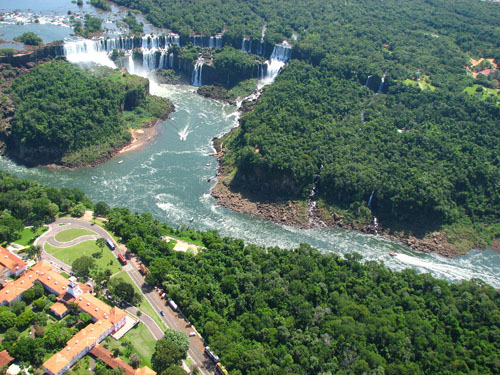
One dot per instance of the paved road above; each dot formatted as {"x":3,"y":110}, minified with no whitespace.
{"x":171,"y":318}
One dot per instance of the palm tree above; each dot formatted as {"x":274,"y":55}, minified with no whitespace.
{"x":35,"y":252}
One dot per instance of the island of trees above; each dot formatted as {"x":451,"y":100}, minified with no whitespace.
{"x":379,"y":112}
{"x":57,"y":113}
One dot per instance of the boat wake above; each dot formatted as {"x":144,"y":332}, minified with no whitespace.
{"x":184,"y":133}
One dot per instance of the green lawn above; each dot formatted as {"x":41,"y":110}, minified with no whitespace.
{"x":141,"y":340}
{"x":69,"y":254}
{"x":423,"y":85}
{"x":28,"y":237}
{"x":484,"y":93}
{"x":144,"y":306}
{"x":82,"y":366}
{"x":70,"y":234}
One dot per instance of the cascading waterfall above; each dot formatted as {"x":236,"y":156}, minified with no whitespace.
{"x":381,"y":86}
{"x":207,"y":41}
{"x":370,"y":200}
{"x":282,"y":53}
{"x":196,"y":77}
{"x":367,"y":84}
{"x":246,"y":45}
{"x":154,"y":50}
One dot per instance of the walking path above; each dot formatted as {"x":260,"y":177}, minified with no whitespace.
{"x":171,"y":318}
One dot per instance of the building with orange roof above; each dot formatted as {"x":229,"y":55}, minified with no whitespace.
{"x":145,"y":371}
{"x":59,"y":309}
{"x":11,"y":263}
{"x":5,"y":359}
{"x":107,"y":319}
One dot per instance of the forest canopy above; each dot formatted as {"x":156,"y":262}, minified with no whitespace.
{"x":424,"y":143}
{"x":69,"y":116}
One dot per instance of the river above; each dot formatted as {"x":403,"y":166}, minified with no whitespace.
{"x":169,"y":178}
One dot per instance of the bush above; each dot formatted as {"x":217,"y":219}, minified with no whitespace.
{"x":29,"y":38}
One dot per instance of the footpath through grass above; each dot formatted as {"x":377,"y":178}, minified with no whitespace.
{"x":144,"y":306}
{"x":68,"y":254}
{"x":73,"y":233}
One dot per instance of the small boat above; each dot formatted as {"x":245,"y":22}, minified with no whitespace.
{"x":183,"y":138}
{"x":208,"y":164}
{"x":120,"y":161}
{"x":393,"y":254}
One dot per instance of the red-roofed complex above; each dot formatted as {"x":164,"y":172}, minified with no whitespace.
{"x":107,"y":319}
{"x":11,"y":264}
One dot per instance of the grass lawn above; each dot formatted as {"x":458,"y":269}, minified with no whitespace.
{"x":28,"y":237}
{"x":69,"y":254}
{"x":82,"y":366}
{"x":484,"y":93}
{"x":70,"y":234}
{"x":144,"y":306}
{"x":141,"y":340}
{"x":423,"y":85}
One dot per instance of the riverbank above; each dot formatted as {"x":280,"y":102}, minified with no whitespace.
{"x":139,"y":138}
{"x":306,"y":214}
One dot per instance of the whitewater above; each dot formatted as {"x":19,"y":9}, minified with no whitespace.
{"x":170,"y":177}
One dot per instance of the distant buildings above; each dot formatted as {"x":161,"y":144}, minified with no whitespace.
{"x":106,"y":319}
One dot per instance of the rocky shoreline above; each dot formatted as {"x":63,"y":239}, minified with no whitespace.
{"x":306,"y":215}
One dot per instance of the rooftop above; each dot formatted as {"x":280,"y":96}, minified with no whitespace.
{"x":5,"y":358}
{"x":10,"y":261}
{"x":59,"y":309}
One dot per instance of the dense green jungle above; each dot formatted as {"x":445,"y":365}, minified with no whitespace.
{"x":59,"y":113}
{"x":422,"y":142}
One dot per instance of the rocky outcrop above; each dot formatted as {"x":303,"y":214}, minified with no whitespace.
{"x":25,"y":58}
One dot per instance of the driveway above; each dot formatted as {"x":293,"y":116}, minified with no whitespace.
{"x":172,"y":319}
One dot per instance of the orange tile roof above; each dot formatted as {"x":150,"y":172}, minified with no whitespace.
{"x":106,"y":356}
{"x":59,"y":308}
{"x":51,"y":278}
{"x":145,"y":371}
{"x":14,"y":289}
{"x":5,"y":358}
{"x":11,"y":261}
{"x":98,"y":309}
{"x":78,"y":343}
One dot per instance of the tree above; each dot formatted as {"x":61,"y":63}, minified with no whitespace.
{"x":82,"y":266}
{"x":173,"y":370}
{"x":135,"y":361}
{"x":35,"y":252}
{"x":7,"y":320}
{"x":166,"y":354}
{"x":101,"y":208}
{"x":29,"y":38}
{"x":179,"y":339}
{"x":24,"y":319}
{"x":124,"y":291}
{"x":101,"y":243}
{"x":78,"y":210}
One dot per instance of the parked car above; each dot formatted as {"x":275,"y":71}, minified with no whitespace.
{"x":191,"y":334}
{"x":162,"y":313}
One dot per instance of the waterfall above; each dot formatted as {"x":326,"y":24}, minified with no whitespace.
{"x":282,"y":53}
{"x":197,"y":72}
{"x":218,"y":41}
{"x":246,"y":45}
{"x":381,"y":86}
{"x":367,"y":84}
{"x":171,"y":60}
{"x":370,"y":200}
{"x":154,"y":50}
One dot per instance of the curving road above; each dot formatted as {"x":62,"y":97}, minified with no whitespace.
{"x":171,"y":318}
